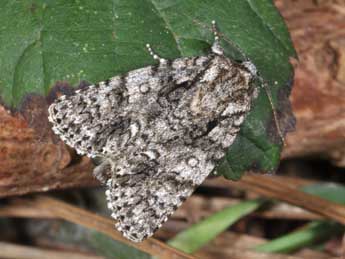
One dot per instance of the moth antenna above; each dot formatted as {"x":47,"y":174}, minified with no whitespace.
{"x":154,"y":55}
{"x":215,"y":31}
{"x":216,"y":48}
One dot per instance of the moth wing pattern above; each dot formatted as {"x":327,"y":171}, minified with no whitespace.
{"x":160,"y":131}
{"x":87,"y":119}
{"x":83,"y":118}
{"x":141,"y":204}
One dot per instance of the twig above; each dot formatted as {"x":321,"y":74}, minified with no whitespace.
{"x":198,"y":207}
{"x":235,"y":253}
{"x":283,"y":190}
{"x":48,"y":206}
{"x":287,"y":211}
{"x":14,"y":251}
{"x":19,"y":209}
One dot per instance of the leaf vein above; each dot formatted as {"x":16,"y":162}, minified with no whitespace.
{"x":168,"y":26}
{"x":267,"y":25}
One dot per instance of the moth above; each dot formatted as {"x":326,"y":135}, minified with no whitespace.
{"x":159,"y":131}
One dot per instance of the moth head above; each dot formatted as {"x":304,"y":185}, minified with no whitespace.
{"x":217,"y":49}
{"x":251,"y":67}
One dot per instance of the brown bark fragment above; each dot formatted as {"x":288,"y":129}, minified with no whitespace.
{"x":31,"y":163}
{"x":318,"y":97}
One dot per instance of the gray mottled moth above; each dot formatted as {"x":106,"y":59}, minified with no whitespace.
{"x":159,"y":131}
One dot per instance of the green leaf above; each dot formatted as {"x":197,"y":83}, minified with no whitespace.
{"x":201,"y":233}
{"x":68,"y":234}
{"x":330,"y":191}
{"x":44,"y":42}
{"x":273,"y":21}
{"x":113,"y":249}
{"x":312,"y":232}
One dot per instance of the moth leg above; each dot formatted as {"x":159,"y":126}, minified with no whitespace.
{"x":155,"y":55}
{"x":102,"y":172}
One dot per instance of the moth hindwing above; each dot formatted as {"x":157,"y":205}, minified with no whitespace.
{"x":158,"y":130}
